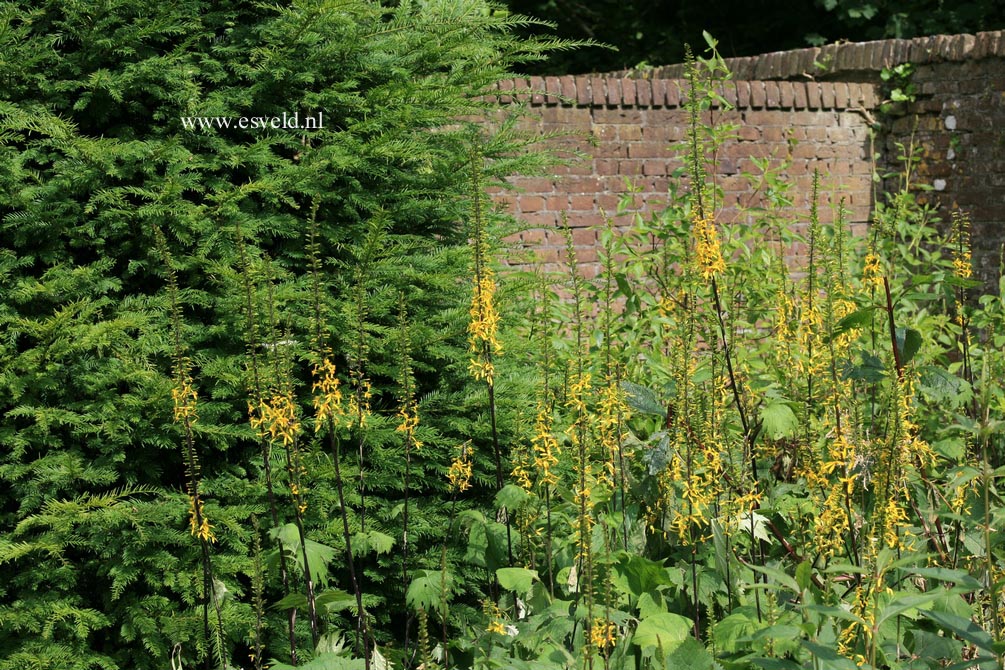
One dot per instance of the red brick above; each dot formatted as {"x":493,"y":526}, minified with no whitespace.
{"x":599,"y":91}
{"x":646,"y":150}
{"x":630,"y":167}
{"x":584,"y":237}
{"x":787,"y":93}
{"x":644,"y":92}
{"x":813,"y":95}
{"x":757,"y":94}
{"x":675,"y":94}
{"x":654,"y":167}
{"x":553,"y":89}
{"x":842,"y":97}
{"x":630,"y":133}
{"x":567,"y":89}
{"x":772,"y":96}
{"x":583,"y":94}
{"x":743,"y":94}
{"x":799,"y":95}
{"x":613,"y":91}
{"x":581,"y":202}
{"x":530,"y":203}
{"x":628,"y":92}
{"x":540,"y":219}
{"x":659,"y":92}
{"x":505,"y":85}
{"x":748,"y":133}
{"x":827,"y":95}
{"x":536,"y":86}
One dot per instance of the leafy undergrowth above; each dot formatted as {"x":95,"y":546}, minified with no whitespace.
{"x":304,"y":420}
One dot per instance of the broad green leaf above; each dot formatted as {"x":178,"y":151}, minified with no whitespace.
{"x":642,"y":399}
{"x":777,"y":575}
{"x":964,"y":628}
{"x":637,"y":575}
{"x":665,"y":630}
{"x":429,"y":590}
{"x":518,"y":580}
{"x":779,"y":420}
{"x":689,"y":655}
{"x":512,"y":497}
{"x":829,"y":656}
{"x":903,"y":604}
{"x":857,"y":319}
{"x":730,"y":630}
{"x":959,"y":577}
{"x":908,"y":343}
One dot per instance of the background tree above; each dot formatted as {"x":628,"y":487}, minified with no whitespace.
{"x":654,"y":33}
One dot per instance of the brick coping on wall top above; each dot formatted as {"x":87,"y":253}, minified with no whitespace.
{"x":618,"y":91}
{"x":844,"y":59}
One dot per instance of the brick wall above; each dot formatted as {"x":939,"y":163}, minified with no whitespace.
{"x":811,"y":108}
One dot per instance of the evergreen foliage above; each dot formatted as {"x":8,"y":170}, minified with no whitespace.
{"x":99,"y":158}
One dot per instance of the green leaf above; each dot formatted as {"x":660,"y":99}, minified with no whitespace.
{"x":858,"y":319}
{"x":829,"y":655}
{"x":429,"y":590}
{"x":775,"y":664}
{"x":637,"y":575}
{"x":642,"y":399}
{"x":908,"y":343}
{"x":518,"y":580}
{"x":871,"y":369}
{"x":372,"y":540}
{"x":728,"y":632}
{"x":964,"y":628}
{"x":665,"y":630}
{"x":778,"y":419}
{"x":961,"y":578}
{"x":689,"y":655}
{"x":512,"y":497}
{"x":777,"y":575}
{"x":939,"y":384}
{"x":904,"y":604}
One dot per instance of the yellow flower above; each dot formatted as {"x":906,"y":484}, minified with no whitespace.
{"x":184,"y":396}
{"x":483,"y":328}
{"x":197,"y":521}
{"x":460,"y":471}
{"x":409,"y":415}
{"x":276,"y":418}
{"x":546,"y":449}
{"x":706,"y":246}
{"x":602,"y":634}
{"x":327,"y":396}
{"x":872,"y":273}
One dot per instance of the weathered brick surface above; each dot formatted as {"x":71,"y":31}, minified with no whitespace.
{"x":806,"y":110}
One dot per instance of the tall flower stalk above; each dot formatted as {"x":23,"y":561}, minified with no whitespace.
{"x":185,"y":413}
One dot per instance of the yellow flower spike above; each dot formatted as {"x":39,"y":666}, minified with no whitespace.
{"x":545,"y":447}
{"x":602,"y":635}
{"x":708,"y":253}
{"x":327,"y":396}
{"x":460,"y":471}
{"x":872,"y":273}
{"x":197,"y":521}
